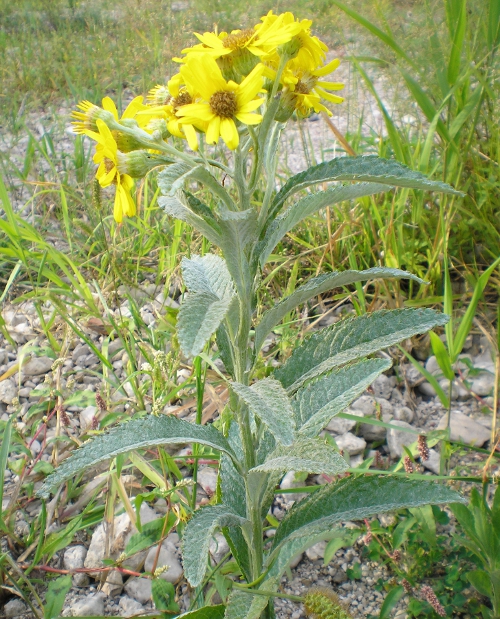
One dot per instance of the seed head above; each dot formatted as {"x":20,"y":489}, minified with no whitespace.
{"x":423,"y":448}
{"x":408,"y":464}
{"x":322,"y":603}
{"x":429,"y":595}
{"x":101,"y":404}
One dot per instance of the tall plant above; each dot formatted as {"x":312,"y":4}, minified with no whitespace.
{"x":273,"y":425}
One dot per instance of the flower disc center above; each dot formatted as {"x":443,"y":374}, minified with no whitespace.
{"x":223,"y":103}
{"x":239,"y":39}
{"x":184,"y":98}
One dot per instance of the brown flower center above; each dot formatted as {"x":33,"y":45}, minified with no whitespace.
{"x":301,"y":88}
{"x":239,"y":39}
{"x":223,"y":103}
{"x":184,"y":98}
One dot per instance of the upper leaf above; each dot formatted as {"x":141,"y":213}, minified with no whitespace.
{"x":305,"y":455}
{"x":197,"y":536}
{"x":352,"y":339}
{"x":171,"y":178}
{"x":320,"y":400}
{"x":206,"y":612}
{"x":356,"y":498}
{"x":176,"y":207}
{"x":307,"y":206}
{"x":207,"y":274}
{"x":366,"y":168}
{"x":269,"y":402}
{"x":318,"y":285}
{"x":244,"y":605}
{"x":136,"y":434}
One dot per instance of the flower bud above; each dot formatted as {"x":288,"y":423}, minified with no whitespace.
{"x":136,"y":163}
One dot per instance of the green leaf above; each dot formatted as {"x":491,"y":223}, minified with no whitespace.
{"x":309,"y":205}
{"x":205,"y":306}
{"x":197,"y":536}
{"x":176,"y":207}
{"x":390,"y":602}
{"x":207,"y":612}
{"x":443,"y":398}
{"x":442,"y":356}
{"x":352,"y":339}
{"x":356,"y":498}
{"x":172,"y":178}
{"x":368,"y":168}
{"x":320,"y":400}
{"x":150,"y":534}
{"x":136,"y":434}
{"x":4,"y":455}
{"x":268,"y":401}
{"x":62,"y":539}
{"x":244,"y":605}
{"x":342,"y":539}
{"x":238,"y":229}
{"x":56,"y":594}
{"x":163,"y":594}
{"x":305,"y":455}
{"x":480,"y":580}
{"x":400,"y":533}
{"x":316,"y":286}
{"x":457,"y":43}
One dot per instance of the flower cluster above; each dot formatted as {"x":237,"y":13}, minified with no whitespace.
{"x":225,"y":85}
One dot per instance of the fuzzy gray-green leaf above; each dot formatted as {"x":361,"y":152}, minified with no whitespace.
{"x":309,"y":205}
{"x":305,"y":455}
{"x":318,"y":285}
{"x":197,"y":536}
{"x":356,"y":498}
{"x":206,"y":612}
{"x":244,"y":605}
{"x":269,"y":402}
{"x":320,"y":400}
{"x":136,"y":434}
{"x":368,"y":168}
{"x":352,"y":339}
{"x":175,"y":207}
{"x":207,"y":274}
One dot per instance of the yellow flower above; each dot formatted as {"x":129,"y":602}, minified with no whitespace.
{"x":107,"y":173}
{"x":90,"y":113}
{"x":223,"y":102}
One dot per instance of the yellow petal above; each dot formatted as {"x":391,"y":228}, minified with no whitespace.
{"x":109,"y":105}
{"x":249,"y":119}
{"x":196,"y":110}
{"x":108,"y":178}
{"x":133,"y":107}
{"x":331,"y":85}
{"x":229,"y":133}
{"x":191,"y":136}
{"x":328,"y":96}
{"x":250,"y":106}
{"x":118,"y":210}
{"x":213,"y":130}
{"x":327,"y":69}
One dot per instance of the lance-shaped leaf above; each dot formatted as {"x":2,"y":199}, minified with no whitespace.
{"x":172,"y":178}
{"x":318,"y":285}
{"x":368,"y":168}
{"x":356,"y":498}
{"x":206,"y":612}
{"x":309,"y":205}
{"x":317,"y":402}
{"x":210,"y":295}
{"x":197,"y":536}
{"x":244,"y":605}
{"x":352,"y":339}
{"x":268,"y":401}
{"x":181,"y":208}
{"x":305,"y":455}
{"x":136,"y":434}
{"x":238,"y":229}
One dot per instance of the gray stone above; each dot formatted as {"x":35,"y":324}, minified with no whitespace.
{"x":91,"y":606}
{"x":14,"y":608}
{"x":130,"y":607}
{"x":350,"y":443}
{"x":457,"y":391}
{"x":288,"y":482}
{"x":386,"y":408}
{"x":432,"y":366}
{"x":218,"y":547}
{"x":412,"y":375}
{"x":340,"y":426}
{"x":86,"y":418}
{"x":296,"y":560}
{"x":427,"y":389}
{"x":114,"y":584}
{"x":403,"y":413}
{"x":482,"y":384}
{"x":382,"y":386}
{"x":207,"y":479}
{"x":432,"y":464}
{"x":139,"y":589}
{"x":74,"y":557}
{"x":366,"y":404}
{"x":372,"y":433}
{"x":465,"y":429}
{"x":37,"y":366}
{"x":397,"y":438}
{"x":8,"y":391}
{"x":317,"y":551}
{"x":165,"y":557}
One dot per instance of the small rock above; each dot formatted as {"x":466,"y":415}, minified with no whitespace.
{"x":14,"y":608}
{"x":432,"y":366}
{"x":139,"y":589}
{"x":403,"y":413}
{"x":86,"y":418}
{"x":382,"y":386}
{"x":427,"y":389}
{"x":130,"y":607}
{"x":296,"y":560}
{"x":372,"y":433}
{"x":8,"y":391}
{"x":340,"y":426}
{"x":457,"y":391}
{"x":37,"y":366}
{"x":432,"y":464}
{"x":317,"y":551}
{"x":482,"y":384}
{"x":366,"y":404}
{"x":90,"y":606}
{"x":339,"y":577}
{"x":207,"y":479}
{"x":412,"y":375}
{"x":74,"y":557}
{"x":465,"y":429}
{"x":386,"y":408}
{"x":114,"y":584}
{"x":166,"y":557}
{"x":350,"y":443}
{"x":397,"y":438}
{"x":218,"y":547}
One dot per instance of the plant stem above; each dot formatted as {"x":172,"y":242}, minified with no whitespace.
{"x":200,"y":387}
